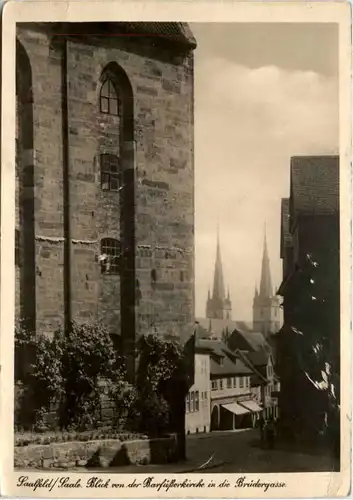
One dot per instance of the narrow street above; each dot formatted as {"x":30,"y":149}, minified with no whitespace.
{"x":236,"y":452}
{"x":242,"y":452}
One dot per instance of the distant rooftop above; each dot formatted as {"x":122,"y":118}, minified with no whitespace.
{"x":314,"y":185}
{"x":286,"y":237}
{"x":223,"y":360}
{"x":215,"y":327}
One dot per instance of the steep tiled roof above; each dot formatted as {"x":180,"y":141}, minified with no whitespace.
{"x":314,"y":185}
{"x":177,"y":32}
{"x":256,"y":378}
{"x":249,"y":341}
{"x":244,"y":325}
{"x":229,"y":368}
{"x":223,"y":360}
{"x":259,"y":358}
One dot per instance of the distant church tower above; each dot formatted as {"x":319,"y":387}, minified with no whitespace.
{"x":218,"y":306}
{"x":266,"y":306}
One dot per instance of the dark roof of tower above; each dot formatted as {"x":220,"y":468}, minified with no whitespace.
{"x":177,"y":32}
{"x":266,"y":282}
{"x":314,"y":185}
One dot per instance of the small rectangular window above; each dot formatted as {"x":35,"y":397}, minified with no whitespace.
{"x":188,"y":403}
{"x":105,"y":178}
{"x":192,"y":401}
{"x":214,"y":385}
{"x":110,"y":172}
{"x":197,"y":403}
{"x":241,"y":379}
{"x":221,"y":384}
{"x":114,"y":182}
{"x":110,"y":256}
{"x":229,"y":383}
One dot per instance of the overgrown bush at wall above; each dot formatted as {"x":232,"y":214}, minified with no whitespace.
{"x":67,"y":376}
{"x":67,"y":373}
{"x":158,"y":371}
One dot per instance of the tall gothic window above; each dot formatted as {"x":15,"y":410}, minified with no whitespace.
{"x":110,"y":174}
{"x":109,"y":102}
{"x":110,"y":256}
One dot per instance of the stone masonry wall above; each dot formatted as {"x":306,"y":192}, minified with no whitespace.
{"x":162,"y":92}
{"x":100,"y":453}
{"x":48,"y":178}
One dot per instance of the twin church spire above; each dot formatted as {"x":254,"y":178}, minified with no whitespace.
{"x":218,"y":279}
{"x":219,"y":305}
{"x":266,"y":290}
{"x":265,"y":305}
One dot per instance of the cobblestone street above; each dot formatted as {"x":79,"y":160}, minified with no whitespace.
{"x":238,"y":452}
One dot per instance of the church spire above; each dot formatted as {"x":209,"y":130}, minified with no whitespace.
{"x":218,"y":281}
{"x":266,"y":283}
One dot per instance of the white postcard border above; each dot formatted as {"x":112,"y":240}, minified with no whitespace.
{"x":297,"y":485}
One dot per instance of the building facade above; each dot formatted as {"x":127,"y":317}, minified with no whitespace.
{"x":310,"y":336}
{"x":232,"y":405}
{"x":266,"y":305}
{"x":198,"y":400}
{"x":105,"y":177}
{"x":263,"y":362}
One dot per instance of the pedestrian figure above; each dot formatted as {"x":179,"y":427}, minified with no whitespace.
{"x":262,"y":428}
{"x":270,"y":428}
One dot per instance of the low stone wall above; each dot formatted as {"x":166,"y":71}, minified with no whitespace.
{"x":96,"y":454}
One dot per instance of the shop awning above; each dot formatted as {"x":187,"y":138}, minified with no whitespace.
{"x":251,"y":405}
{"x":236,"y":408}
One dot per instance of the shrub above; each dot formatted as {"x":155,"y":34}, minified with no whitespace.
{"x":73,"y":372}
{"x":159,"y":366}
{"x":65,"y":372}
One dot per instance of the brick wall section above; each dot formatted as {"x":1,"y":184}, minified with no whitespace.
{"x":163,"y":204}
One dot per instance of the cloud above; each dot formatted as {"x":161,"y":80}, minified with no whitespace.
{"x":248,"y":123}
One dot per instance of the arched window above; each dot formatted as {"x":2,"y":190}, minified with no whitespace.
{"x":110,"y":172}
{"x":110,"y":256}
{"x":109,"y":102}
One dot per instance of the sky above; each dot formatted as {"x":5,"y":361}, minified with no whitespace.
{"x":263,"y":93}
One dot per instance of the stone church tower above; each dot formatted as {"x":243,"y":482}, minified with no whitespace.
{"x":105,"y":178}
{"x":218,"y":306}
{"x":266,"y":305}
